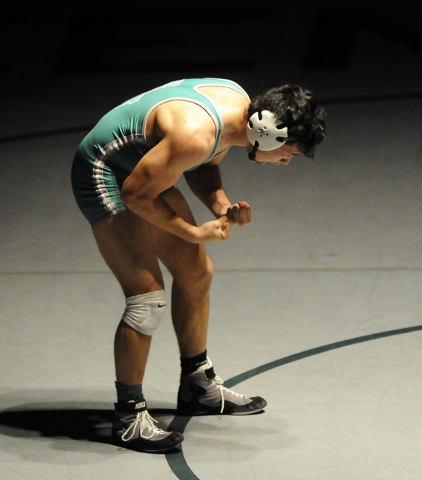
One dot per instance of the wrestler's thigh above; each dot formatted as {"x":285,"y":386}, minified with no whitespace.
{"x":124,"y":241}
{"x":178,"y":255}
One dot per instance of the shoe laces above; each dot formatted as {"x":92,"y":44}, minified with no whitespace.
{"x":224,"y":390}
{"x":142,"y":422}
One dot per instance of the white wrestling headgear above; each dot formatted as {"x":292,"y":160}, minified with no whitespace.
{"x":264,"y":128}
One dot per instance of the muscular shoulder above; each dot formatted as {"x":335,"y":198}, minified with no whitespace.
{"x":187,"y":126}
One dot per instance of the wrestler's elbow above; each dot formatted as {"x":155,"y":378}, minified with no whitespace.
{"x":137,"y":201}
{"x":128,"y":196}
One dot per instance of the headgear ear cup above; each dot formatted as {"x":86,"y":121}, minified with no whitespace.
{"x":264,"y":128}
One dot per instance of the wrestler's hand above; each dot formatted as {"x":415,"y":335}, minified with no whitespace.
{"x":214,"y":231}
{"x":239,"y":214}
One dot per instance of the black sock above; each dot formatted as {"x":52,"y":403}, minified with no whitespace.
{"x":127,"y":393}
{"x":191,"y":364}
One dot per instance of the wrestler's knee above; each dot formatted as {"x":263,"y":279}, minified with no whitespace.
{"x":198,"y":273}
{"x":208,"y":270}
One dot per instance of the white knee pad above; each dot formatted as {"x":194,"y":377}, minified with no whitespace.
{"x":144,"y":312}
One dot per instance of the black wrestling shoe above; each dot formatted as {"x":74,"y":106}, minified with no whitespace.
{"x":203,"y":393}
{"x":134,"y":429}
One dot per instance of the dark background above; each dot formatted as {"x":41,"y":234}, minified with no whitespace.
{"x":64,"y":65}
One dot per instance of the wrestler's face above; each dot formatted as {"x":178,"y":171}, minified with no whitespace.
{"x":281,"y":155}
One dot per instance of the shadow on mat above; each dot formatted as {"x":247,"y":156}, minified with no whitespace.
{"x":92,"y":425}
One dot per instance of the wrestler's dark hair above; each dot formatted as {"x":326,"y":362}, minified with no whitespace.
{"x":296,"y":108}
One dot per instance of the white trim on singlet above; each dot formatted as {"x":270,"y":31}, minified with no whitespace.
{"x":98,"y":169}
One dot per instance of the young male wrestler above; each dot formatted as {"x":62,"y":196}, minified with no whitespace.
{"x":124,"y":176}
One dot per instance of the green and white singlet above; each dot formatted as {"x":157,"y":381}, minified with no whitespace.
{"x":112,"y":149}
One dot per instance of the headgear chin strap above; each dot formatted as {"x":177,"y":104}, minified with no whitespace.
{"x":252,"y":153}
{"x":265,"y":132}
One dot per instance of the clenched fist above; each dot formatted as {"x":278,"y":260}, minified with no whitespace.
{"x":239,"y":214}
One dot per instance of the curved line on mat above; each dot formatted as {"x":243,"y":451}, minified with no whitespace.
{"x":177,"y":461}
